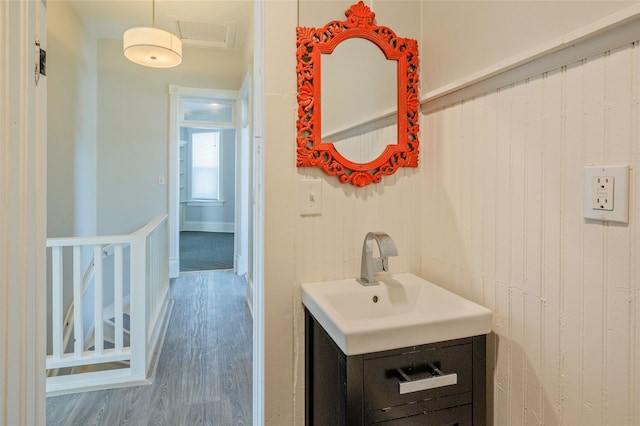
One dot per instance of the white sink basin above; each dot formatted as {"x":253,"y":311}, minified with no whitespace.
{"x":403,"y":310}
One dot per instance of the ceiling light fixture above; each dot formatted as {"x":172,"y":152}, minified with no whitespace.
{"x":151,"y":46}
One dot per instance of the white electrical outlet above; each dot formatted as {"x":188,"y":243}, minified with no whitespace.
{"x":602,"y":193}
{"x":606,"y":193}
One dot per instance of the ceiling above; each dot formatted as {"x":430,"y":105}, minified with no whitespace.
{"x":222,"y":24}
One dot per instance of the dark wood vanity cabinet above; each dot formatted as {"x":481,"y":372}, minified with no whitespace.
{"x":441,"y":383}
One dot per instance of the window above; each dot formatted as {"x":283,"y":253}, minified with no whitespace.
{"x":207,"y":110}
{"x":206,"y":120}
{"x":205,"y":166}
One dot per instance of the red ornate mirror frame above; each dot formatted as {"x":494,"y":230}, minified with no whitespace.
{"x":312,"y":151}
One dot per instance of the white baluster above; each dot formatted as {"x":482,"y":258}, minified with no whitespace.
{"x":118,"y":296}
{"x":78,"y":324}
{"x":98,"y":300}
{"x":57,"y":309}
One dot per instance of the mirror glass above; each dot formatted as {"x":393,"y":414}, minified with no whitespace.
{"x":358,"y":87}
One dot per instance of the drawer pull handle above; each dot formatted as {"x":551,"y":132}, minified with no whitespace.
{"x":437,"y":380}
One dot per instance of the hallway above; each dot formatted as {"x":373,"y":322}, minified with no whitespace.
{"x":204,"y":372}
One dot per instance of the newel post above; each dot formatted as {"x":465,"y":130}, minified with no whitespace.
{"x":138,"y":306}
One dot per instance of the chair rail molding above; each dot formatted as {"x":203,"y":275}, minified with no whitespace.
{"x":610,"y":32}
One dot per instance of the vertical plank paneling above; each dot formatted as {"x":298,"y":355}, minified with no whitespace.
{"x":489,"y":195}
{"x":509,"y":167}
{"x":518,"y":361}
{"x":502,"y":356}
{"x":532,"y":188}
{"x":532,"y":211}
{"x":453,"y":193}
{"x":503,"y":185}
{"x":618,"y":101}
{"x":517,"y":187}
{"x":572,"y":275}
{"x":431,"y":126}
{"x":461,"y":201}
{"x":476,"y":212}
{"x":517,"y":314}
{"x":595,"y":298}
{"x":552,"y":144}
{"x":502,"y":317}
{"x":330,"y":244}
{"x":533,"y":367}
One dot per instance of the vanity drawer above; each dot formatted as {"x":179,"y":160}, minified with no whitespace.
{"x":420,"y":374}
{"x":458,"y":416}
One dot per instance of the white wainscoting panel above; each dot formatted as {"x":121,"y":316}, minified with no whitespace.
{"x":502,"y":225}
{"x":329,"y":246}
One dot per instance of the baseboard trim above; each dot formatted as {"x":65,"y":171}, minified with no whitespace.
{"x":208,"y":226}
{"x":159,"y":344}
{"x":174,"y":267}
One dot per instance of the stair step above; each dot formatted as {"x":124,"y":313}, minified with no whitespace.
{"x":126,"y":322}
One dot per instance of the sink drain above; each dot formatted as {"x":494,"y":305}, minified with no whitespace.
{"x":375,"y":299}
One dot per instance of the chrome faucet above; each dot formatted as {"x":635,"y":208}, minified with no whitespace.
{"x":370,"y":265}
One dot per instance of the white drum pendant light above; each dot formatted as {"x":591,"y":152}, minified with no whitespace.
{"x":152,"y":47}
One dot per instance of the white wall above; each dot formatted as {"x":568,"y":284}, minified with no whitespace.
{"x":315,"y":248}
{"x":460,"y":38}
{"x":133,"y":114}
{"x":502,"y":225}
{"x":71,"y":129}
{"x":71,"y":135}
{"x":328,"y":246}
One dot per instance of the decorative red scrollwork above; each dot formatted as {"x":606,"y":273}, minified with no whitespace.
{"x":311,"y":150}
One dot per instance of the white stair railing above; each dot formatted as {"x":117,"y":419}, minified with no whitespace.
{"x":139,"y":275}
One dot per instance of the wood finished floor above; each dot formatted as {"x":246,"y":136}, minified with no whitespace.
{"x":204,"y":372}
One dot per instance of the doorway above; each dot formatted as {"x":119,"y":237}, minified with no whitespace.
{"x":203,"y":179}
{"x":254,"y":203}
{"x":207,"y":190}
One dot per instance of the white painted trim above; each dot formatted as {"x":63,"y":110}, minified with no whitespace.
{"x":195,"y":93}
{"x":173,"y":188}
{"x":607,"y":33}
{"x":174,"y":267}
{"x":201,"y":203}
{"x":158,"y":335}
{"x":249,"y":296}
{"x":386,"y":119}
{"x":97,"y":380}
{"x":174,"y":182}
{"x":23,"y":215}
{"x":243,"y":178}
{"x":258,"y":215}
{"x":208,"y":226}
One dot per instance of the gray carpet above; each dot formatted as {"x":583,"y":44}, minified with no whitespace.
{"x":205,"y":251}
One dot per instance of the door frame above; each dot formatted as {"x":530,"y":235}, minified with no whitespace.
{"x":175,"y":93}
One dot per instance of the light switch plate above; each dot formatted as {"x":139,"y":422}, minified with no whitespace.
{"x":606,"y":193}
{"x":310,"y":196}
